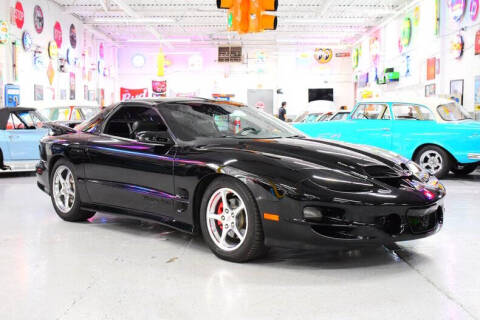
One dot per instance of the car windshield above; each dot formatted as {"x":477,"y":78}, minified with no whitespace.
{"x":192,"y":120}
{"x":452,"y":112}
{"x":312,"y":117}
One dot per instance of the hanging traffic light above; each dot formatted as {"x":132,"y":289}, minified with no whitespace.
{"x":258,"y":21}
{"x":246,"y":16}
{"x":237,"y":18}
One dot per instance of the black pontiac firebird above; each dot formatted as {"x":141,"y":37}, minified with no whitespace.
{"x":246,"y":180}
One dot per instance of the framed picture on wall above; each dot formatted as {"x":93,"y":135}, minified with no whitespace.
{"x":37,"y":92}
{"x":456,"y":90}
{"x":430,"y":90}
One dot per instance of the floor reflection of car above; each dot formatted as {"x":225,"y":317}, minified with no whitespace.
{"x":20,"y":132}
{"x":240,"y":177}
{"x":69,"y":115}
{"x":436,"y":133}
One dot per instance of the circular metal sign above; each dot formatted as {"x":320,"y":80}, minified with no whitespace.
{"x":26,"y":41}
{"x":52,"y":49}
{"x":38,"y":19}
{"x":19,"y":15}
{"x":57,"y":34}
{"x":73,"y":36}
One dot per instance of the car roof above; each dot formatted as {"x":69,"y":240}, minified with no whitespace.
{"x":5,"y":113}
{"x":158,"y":100}
{"x":426,"y":101}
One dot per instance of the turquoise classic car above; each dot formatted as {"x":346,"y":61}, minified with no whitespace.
{"x":436,"y":133}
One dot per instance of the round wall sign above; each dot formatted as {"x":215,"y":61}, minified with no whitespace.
{"x":57,"y":34}
{"x":26,"y":41}
{"x":474,"y":9}
{"x":457,"y":9}
{"x":3,"y":32}
{"x":38,"y":19}
{"x":19,"y":15}
{"x":73,"y":36}
{"x":457,"y":46}
{"x":406,"y":31}
{"x":323,"y":55}
{"x":52,"y":49}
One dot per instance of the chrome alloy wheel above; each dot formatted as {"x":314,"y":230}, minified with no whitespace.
{"x":227,"y":221}
{"x":63,"y":189}
{"x":431,"y":161}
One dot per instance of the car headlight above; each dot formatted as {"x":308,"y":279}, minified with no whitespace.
{"x":418,"y":171}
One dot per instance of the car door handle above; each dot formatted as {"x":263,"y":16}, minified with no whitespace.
{"x":385,"y":129}
{"x":13,"y":137}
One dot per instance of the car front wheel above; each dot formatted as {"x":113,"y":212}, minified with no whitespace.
{"x":435,"y":160}
{"x":64,"y":193}
{"x":230,"y":221}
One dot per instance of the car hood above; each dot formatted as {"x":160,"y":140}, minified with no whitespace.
{"x":317,"y":154}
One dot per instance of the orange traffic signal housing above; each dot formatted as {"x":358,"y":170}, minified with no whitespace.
{"x":247,"y":15}
{"x":258,"y":21}
{"x":237,"y":14}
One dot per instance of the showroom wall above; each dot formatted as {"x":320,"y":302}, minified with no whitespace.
{"x":383,"y":49}
{"x":80,"y":82}
{"x":197,"y":72}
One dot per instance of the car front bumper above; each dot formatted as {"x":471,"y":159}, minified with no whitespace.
{"x":364,"y":227}
{"x":474,"y":156}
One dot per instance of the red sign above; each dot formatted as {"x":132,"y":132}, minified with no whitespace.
{"x":57,"y":34}
{"x":159,"y":88}
{"x":431,"y":64}
{"x":342,"y":54}
{"x":19,"y":15}
{"x":126,"y":94}
{"x":477,"y":43}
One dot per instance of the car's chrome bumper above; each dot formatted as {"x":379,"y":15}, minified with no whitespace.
{"x":474,"y":156}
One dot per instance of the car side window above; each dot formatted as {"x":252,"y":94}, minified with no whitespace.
{"x":372,"y":111}
{"x":130,"y":120}
{"x":14,"y":123}
{"x":405,"y":111}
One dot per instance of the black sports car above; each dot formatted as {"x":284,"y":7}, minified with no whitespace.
{"x":242,"y":178}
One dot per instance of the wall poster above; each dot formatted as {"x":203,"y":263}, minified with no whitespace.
{"x":431,"y":64}
{"x":430,"y":90}
{"x":159,"y":88}
{"x":477,"y":43}
{"x":37,"y":92}
{"x":72,"y":85}
{"x":476,"y":100}
{"x":456,"y":90}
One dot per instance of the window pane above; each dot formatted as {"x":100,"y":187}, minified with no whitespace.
{"x":411,"y":112}
{"x":128,"y":121}
{"x":372,"y":112}
{"x":452,"y":112}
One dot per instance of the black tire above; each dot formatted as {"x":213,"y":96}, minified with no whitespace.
{"x":464,"y":170}
{"x":75,"y":214}
{"x":446,"y":161}
{"x":253,"y":244}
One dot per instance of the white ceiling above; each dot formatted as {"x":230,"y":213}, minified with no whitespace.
{"x":329,"y":22}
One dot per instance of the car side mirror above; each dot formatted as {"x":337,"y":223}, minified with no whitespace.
{"x":154,"y":137}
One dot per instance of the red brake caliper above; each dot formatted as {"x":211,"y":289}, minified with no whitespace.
{"x":220,"y":211}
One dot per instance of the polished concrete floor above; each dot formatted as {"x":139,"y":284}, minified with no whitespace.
{"x":122,"y":268}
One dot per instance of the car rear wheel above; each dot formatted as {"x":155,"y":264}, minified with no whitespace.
{"x":435,"y":160}
{"x":464,"y":170}
{"x":64,"y":194}
{"x":230,"y":221}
